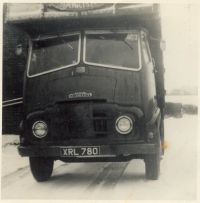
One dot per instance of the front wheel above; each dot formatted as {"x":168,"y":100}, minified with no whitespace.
{"x":41,"y":168}
{"x":152,"y":161}
{"x":152,"y":166}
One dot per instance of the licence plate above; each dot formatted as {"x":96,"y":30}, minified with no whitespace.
{"x":80,"y":151}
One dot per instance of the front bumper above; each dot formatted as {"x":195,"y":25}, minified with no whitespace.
{"x":106,"y":151}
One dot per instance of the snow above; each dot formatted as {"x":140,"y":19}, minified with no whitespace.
{"x":9,"y":152}
{"x":184,"y":99}
{"x":110,"y":180}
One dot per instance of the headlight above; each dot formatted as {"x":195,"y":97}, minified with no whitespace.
{"x":40,"y":129}
{"x":124,"y":125}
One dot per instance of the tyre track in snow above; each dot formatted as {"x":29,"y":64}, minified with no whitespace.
{"x":116,"y":172}
{"x":15,"y":176}
{"x":109,"y":176}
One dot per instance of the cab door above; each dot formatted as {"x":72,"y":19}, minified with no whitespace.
{"x":149,"y":87}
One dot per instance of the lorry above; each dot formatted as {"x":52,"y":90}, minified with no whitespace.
{"x":93,"y":87}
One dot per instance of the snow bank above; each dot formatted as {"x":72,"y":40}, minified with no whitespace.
{"x":11,"y":161}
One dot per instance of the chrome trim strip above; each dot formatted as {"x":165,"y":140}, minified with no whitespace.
{"x":12,"y":104}
{"x":112,"y":66}
{"x":8,"y":101}
{"x":61,"y":67}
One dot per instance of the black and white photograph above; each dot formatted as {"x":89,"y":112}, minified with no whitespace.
{"x":100,"y":101}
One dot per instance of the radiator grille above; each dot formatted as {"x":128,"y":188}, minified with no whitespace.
{"x":100,"y":123}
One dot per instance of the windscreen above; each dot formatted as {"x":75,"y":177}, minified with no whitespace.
{"x":54,"y":53}
{"x":112,"y":49}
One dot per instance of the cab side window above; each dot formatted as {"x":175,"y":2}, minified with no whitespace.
{"x":145,"y":49}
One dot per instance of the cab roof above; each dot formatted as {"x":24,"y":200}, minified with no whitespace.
{"x":44,"y":18}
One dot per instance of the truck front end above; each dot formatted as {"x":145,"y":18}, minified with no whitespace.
{"x":90,"y":95}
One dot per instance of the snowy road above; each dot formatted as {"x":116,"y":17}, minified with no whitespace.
{"x":111,"y":180}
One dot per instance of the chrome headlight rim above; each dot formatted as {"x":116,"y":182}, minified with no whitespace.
{"x":34,"y":129}
{"x":131,"y":124}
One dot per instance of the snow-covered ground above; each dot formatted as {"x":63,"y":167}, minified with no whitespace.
{"x":184,"y":99}
{"x":110,"y":180}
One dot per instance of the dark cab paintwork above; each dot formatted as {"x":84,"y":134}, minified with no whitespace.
{"x":114,"y":92}
{"x":91,"y":120}
{"x":93,"y":88}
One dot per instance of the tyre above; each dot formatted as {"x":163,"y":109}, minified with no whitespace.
{"x":152,"y":162}
{"x":152,"y":166}
{"x":41,"y":168}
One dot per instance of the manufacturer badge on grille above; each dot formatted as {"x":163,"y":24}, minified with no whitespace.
{"x":79,"y":95}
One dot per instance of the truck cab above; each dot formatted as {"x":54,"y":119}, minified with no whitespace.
{"x":92,"y":92}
